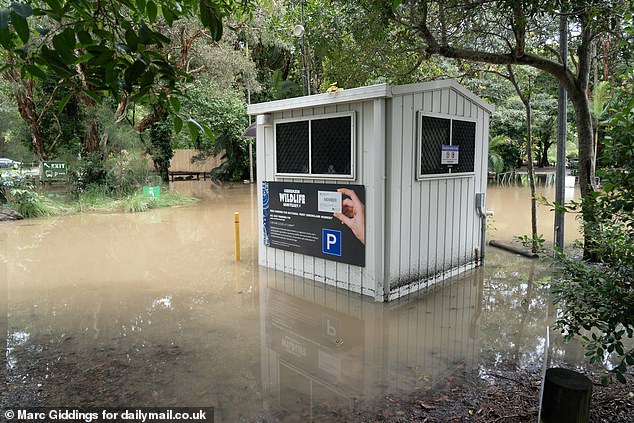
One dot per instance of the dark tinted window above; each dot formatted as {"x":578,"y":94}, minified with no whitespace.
{"x":463,"y":134}
{"x":291,"y":146}
{"x":434,"y":133}
{"x":330,"y":145}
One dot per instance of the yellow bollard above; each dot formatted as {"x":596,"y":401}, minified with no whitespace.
{"x":236,"y":224}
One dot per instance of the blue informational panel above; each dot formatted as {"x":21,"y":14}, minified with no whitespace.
{"x":320,"y":220}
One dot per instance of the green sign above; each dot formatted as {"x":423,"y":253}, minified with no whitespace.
{"x":152,"y":191}
{"x":54,"y":170}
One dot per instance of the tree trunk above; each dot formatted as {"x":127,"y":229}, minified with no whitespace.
{"x":586,"y":173}
{"x":28,"y":112}
{"x":38,"y":142}
{"x":531,"y":173}
{"x":91,"y":139}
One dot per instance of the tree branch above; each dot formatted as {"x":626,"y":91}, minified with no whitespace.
{"x":48,"y":105}
{"x":59,"y":134}
{"x":583,"y":51}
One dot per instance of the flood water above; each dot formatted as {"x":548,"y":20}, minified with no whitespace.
{"x":150,"y":309}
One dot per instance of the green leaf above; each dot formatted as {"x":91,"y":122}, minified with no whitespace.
{"x":84,"y":38}
{"x":209,"y":132}
{"x":63,"y":103}
{"x":94,"y":95}
{"x":176,"y":104}
{"x":145,"y":35}
{"x":5,"y":18}
{"x":178,"y":124}
{"x":151,"y":11}
{"x":211,"y":19}
{"x":140,"y":4}
{"x":21,"y":27}
{"x":132,"y":40}
{"x":134,"y":72}
{"x":194,"y":129}
{"x":55,"y":6}
{"x":22,"y":10}
{"x":111,"y":74}
{"x":102,"y":58}
{"x":35,"y":71}
{"x":63,"y":47}
{"x":620,"y":377}
{"x":6,"y":39}
{"x":168,"y":15}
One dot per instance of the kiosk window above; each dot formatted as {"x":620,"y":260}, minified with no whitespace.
{"x":463,"y":134}
{"x":319,"y":146}
{"x":330,"y":145}
{"x":438,"y":132}
{"x":291,"y":146}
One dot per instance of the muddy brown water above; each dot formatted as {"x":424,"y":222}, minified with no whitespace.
{"x":150,"y":309}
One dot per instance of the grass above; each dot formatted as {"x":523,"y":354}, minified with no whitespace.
{"x":96,"y":201}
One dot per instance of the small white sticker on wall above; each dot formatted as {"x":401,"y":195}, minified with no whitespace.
{"x":449,"y":154}
{"x":329,"y":201}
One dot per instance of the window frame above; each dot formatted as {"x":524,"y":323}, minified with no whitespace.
{"x":351,"y":176}
{"x":419,"y":145}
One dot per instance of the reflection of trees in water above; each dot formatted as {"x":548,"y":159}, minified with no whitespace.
{"x":515,"y":312}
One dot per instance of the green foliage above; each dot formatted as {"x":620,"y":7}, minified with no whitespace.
{"x":137,"y":203}
{"x":160,"y":147}
{"x":29,"y":203}
{"x":503,"y":154}
{"x":534,"y":243}
{"x":597,"y":299}
{"x":118,"y":175}
{"x":224,"y":113}
{"x":23,"y":198}
{"x":9,"y":179}
{"x":112,"y":49}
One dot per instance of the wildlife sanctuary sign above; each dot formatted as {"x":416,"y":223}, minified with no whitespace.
{"x":320,"y":220}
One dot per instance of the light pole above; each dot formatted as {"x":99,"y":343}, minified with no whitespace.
{"x":299,"y":32}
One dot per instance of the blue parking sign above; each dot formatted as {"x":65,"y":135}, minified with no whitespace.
{"x":331,"y":242}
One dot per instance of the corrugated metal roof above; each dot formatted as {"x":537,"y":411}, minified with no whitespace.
{"x":362,"y":94}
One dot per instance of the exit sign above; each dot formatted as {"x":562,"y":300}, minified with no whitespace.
{"x":54,"y":170}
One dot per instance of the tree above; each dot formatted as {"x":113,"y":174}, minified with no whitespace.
{"x":597,"y":300}
{"x":101,"y":48}
{"x":510,"y":33}
{"x":525,"y":96}
{"x":160,"y":147}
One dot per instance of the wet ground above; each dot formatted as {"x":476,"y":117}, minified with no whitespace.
{"x":150,"y":309}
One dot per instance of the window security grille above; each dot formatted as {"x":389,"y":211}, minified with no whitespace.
{"x":292,"y":145}
{"x":463,"y":134}
{"x":436,"y":132}
{"x":320,"y":146}
{"x":330,"y":146}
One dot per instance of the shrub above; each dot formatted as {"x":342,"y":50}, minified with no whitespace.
{"x":597,"y":299}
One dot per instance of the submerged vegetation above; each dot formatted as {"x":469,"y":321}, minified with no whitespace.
{"x":33,"y":204}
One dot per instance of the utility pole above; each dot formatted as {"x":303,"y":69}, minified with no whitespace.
{"x":562,"y":111}
{"x":305,"y":70}
{"x":246,"y":52}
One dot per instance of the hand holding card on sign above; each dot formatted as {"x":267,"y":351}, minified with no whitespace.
{"x":329,"y":201}
{"x":353,"y":214}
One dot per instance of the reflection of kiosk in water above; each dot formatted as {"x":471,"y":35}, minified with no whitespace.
{"x":321,"y":349}
{"x":373,"y":189}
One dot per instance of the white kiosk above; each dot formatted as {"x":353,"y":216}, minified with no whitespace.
{"x":377,"y":190}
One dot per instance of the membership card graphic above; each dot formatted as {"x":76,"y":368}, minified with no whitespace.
{"x":320,"y":220}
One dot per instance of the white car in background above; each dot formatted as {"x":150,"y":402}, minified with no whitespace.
{"x":8,"y":163}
